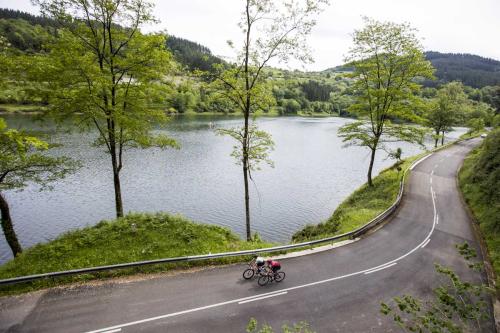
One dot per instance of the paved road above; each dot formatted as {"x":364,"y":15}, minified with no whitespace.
{"x":335,"y":291}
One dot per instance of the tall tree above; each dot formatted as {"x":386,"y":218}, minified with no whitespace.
{"x":105,"y":69}
{"x":272,"y":31}
{"x":22,"y":162}
{"x":447,"y":109}
{"x":387,"y":59}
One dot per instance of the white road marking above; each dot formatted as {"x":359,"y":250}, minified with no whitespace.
{"x":432,"y":172}
{"x":430,"y":180}
{"x":113,"y":331}
{"x":427,"y":242}
{"x":424,"y":158}
{"x":437,"y":219}
{"x":259,"y":298}
{"x":381,"y":268}
{"x":372,"y":269}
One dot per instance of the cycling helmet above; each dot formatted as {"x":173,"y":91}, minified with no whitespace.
{"x":259,"y":260}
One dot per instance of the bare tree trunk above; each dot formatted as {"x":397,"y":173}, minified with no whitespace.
{"x":118,"y":194}
{"x":442,"y":138}
{"x":436,"y":140}
{"x":116,"y":181}
{"x":8,"y":228}
{"x":246,"y":171}
{"x":247,"y":204}
{"x":370,"y":168}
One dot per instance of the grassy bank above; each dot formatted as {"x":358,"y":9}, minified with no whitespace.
{"x":33,"y":108}
{"x":361,"y":206}
{"x":20,"y":108}
{"x":135,"y":237}
{"x":479,"y":181}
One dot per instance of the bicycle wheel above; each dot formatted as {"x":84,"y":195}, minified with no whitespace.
{"x":263,"y":280}
{"x":248,"y":274}
{"x":280,"y":276}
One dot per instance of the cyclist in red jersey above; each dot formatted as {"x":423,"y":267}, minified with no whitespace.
{"x":274,"y":265}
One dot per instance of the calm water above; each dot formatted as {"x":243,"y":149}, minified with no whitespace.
{"x":313,"y":174}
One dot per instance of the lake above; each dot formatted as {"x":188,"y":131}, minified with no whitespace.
{"x":313,"y":173}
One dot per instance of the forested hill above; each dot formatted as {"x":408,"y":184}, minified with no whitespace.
{"x":191,"y":54}
{"x":472,"y":70}
{"x":27,"y":32}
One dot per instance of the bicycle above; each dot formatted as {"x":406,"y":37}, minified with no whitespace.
{"x":269,"y":276}
{"x":252,"y":270}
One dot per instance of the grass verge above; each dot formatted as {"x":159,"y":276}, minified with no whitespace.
{"x":134,"y":237}
{"x":20,"y":108}
{"x":479,"y":181}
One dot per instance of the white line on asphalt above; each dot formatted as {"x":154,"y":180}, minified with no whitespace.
{"x":259,"y":298}
{"x":430,"y":180}
{"x":432,"y":172}
{"x":426,"y":242}
{"x":107,"y":329}
{"x":381,"y":268}
{"x":414,"y":165}
{"x":113,"y":331}
{"x":437,"y":219}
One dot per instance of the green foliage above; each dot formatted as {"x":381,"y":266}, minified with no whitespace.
{"x":109,"y":74}
{"x":22,"y":160}
{"x":360,"y":133}
{"x":316,"y":91}
{"x":259,"y":145}
{"x":479,"y":181}
{"x":475,"y":125}
{"x":191,"y":54}
{"x":491,"y":95}
{"x":134,"y":237}
{"x":387,"y":60}
{"x":458,"y":305}
{"x":301,"y":327}
{"x":446,"y":109}
{"x":472,"y":70}
{"x":6,"y":13}
{"x":24,"y":36}
{"x":112,"y":79}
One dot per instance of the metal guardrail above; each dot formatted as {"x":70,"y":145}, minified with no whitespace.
{"x":352,"y":234}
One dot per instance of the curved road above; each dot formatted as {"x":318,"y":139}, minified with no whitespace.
{"x":335,"y":291}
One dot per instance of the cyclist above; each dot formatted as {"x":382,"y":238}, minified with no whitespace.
{"x":259,"y":261}
{"x":274,"y":265}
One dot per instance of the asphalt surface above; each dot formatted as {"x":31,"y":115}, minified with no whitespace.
{"x":339,"y":290}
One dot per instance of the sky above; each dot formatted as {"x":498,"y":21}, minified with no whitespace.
{"x":458,"y":26}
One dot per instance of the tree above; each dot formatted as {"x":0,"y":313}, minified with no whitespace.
{"x":387,"y":59}
{"x":5,"y":61}
{"x":491,"y":95}
{"x":102,"y":67}
{"x":340,"y":102}
{"x":271,"y":32}
{"x":458,"y":305}
{"x":22,"y":162}
{"x":447,"y":109}
{"x":475,"y":125}
{"x":483,"y":111}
